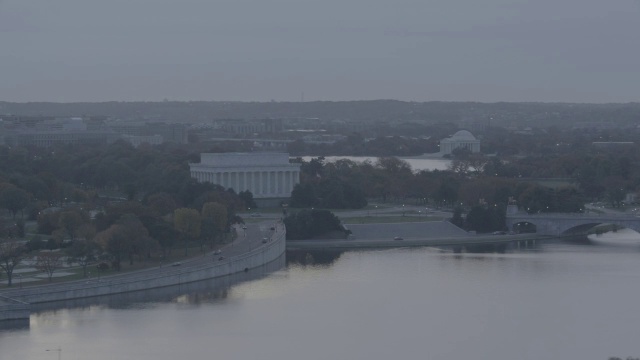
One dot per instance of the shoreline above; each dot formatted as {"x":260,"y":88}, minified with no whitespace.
{"x":14,"y":301}
{"x":423,"y":242}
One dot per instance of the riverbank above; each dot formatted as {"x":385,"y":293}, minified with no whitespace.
{"x":431,"y":242}
{"x":416,"y":234}
{"x":202,"y":268}
{"x":11,"y":309}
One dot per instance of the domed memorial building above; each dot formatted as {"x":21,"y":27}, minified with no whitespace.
{"x":268,"y":176}
{"x":462,"y":139}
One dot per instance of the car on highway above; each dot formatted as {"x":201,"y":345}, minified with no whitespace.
{"x":398,"y":238}
{"x":265,"y":240}
{"x":217,"y":252}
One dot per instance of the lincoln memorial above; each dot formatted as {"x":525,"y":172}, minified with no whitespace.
{"x":265,"y":175}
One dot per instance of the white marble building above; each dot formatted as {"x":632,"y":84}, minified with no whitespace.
{"x":266,"y":175}
{"x":461,"y":139}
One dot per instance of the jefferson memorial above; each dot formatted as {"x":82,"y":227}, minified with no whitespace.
{"x":265,"y":175}
{"x":461,"y":139}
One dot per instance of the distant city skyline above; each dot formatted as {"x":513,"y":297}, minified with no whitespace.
{"x":255,"y":50}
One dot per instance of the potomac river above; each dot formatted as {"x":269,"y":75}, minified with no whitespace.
{"x":556,"y":300}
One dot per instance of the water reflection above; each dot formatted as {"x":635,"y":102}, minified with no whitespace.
{"x":551,"y":300}
{"x":14,"y":325}
{"x":326,"y":258}
{"x":194,"y":293}
{"x":313,"y":258}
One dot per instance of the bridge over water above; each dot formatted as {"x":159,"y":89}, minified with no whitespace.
{"x":555,"y":224}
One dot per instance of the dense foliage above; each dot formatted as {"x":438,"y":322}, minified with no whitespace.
{"x":126,"y":199}
{"x":113,"y":203}
{"x":308,"y":224}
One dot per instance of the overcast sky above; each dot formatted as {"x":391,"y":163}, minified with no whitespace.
{"x":261,"y":50}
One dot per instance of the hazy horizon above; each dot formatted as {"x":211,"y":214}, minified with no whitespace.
{"x":257,"y":51}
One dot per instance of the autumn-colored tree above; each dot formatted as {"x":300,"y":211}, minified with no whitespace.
{"x":214,"y":221}
{"x":70,"y":221}
{"x":138,"y":236}
{"x":83,"y":253}
{"x":188,"y":222}
{"x":115,"y":241}
{"x":161,"y":203}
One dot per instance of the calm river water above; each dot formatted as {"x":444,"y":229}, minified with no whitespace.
{"x":556,"y":301}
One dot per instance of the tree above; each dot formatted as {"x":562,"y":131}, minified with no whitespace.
{"x":307,"y":224}
{"x":48,"y":262}
{"x":70,"y":221}
{"x":11,"y":254}
{"x":214,"y":220}
{"x":114,"y":240}
{"x":486,"y":219}
{"x":138,"y":236}
{"x":460,"y":166}
{"x":14,"y":199}
{"x":164,"y":234}
{"x":304,"y":195}
{"x":83,"y":253}
{"x":20,"y":228}
{"x":247,"y":198}
{"x":161,"y":203}
{"x":447,"y":192}
{"x":457,"y":219}
{"x":48,"y":222}
{"x":615,"y":190}
{"x":188,"y":222}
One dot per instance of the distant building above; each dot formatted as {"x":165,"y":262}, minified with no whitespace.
{"x":612,"y":144}
{"x":48,"y":131}
{"x":463,"y":139}
{"x":250,"y":127}
{"x":50,"y":138}
{"x":176,"y":133}
{"x":139,"y":140}
{"x":327,"y":139}
{"x":268,"y":176}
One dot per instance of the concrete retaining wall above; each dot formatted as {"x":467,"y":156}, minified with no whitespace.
{"x":11,"y":309}
{"x":181,"y":275}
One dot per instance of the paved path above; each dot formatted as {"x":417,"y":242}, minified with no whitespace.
{"x":247,"y":240}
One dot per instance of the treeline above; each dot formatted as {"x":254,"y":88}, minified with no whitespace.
{"x":478,"y":192}
{"x":116,"y":203}
{"x":312,"y":223}
{"x":372,"y":112}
